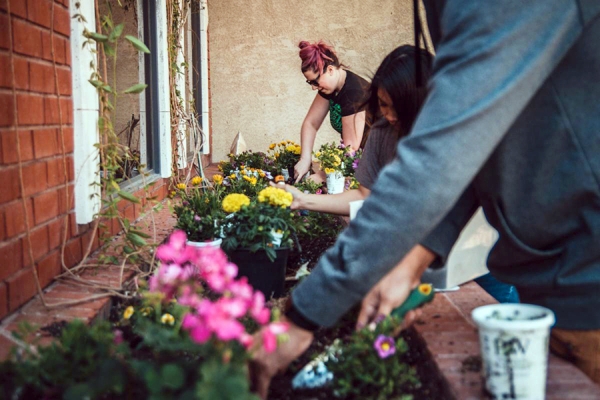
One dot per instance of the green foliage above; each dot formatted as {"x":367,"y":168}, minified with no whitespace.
{"x":360,"y":370}
{"x":248,"y":159}
{"x":285,"y":154}
{"x":252,"y":227}
{"x":199,"y":213}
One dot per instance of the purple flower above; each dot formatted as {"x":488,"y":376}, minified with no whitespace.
{"x":197,"y":218}
{"x":186,"y":203}
{"x":355,"y":163}
{"x":385,"y":346}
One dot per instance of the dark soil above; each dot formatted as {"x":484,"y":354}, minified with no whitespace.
{"x":54,"y":329}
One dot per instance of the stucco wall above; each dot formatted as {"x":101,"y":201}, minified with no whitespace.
{"x":256,"y":84}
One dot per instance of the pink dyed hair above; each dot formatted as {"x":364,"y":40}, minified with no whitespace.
{"x":316,"y":56}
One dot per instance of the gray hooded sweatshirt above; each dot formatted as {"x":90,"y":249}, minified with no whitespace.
{"x":511,"y":123}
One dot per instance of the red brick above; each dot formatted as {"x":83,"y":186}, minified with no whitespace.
{"x":2,"y":226}
{"x":15,"y":218}
{"x":39,"y":245}
{"x":67,"y":52}
{"x":41,"y":77}
{"x":3,"y":301}
{"x":49,"y":267}
{"x":56,"y":233}
{"x":87,"y":236}
{"x":45,"y":206}
{"x":34,"y":178}
{"x":8,"y":146}
{"x":30,"y":109}
{"x":4,"y":32}
{"x":68,"y":139}
{"x":27,"y":38}
{"x":10,"y":258}
{"x":45,"y":143}
{"x":65,"y":203}
{"x":73,"y":253}
{"x":18,"y":7}
{"x":62,"y":21}
{"x":51,"y":115}
{"x":59,"y":48}
{"x":21,"y":287}
{"x":7,"y":116}
{"x":10,"y":184}
{"x":56,"y":172}
{"x":64,"y":81}
{"x":21,"y":72}
{"x":40,"y":12}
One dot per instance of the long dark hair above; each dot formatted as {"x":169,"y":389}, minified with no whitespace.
{"x":396,"y":75}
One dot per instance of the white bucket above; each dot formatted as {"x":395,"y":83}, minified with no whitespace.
{"x":514,"y":348}
{"x":335,"y":182}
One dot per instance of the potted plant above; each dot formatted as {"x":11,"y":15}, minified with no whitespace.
{"x":246,"y":180}
{"x":331,"y":161}
{"x":258,"y":236}
{"x":199,"y":214}
{"x":285,"y":155}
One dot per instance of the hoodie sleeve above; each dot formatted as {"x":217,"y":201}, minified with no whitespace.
{"x":490,"y":62}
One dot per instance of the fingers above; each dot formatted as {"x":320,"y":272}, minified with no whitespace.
{"x":367,"y":313}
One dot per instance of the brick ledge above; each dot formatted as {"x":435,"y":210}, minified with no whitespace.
{"x":451,"y":337}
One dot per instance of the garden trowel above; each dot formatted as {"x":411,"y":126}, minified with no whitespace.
{"x":315,"y":374}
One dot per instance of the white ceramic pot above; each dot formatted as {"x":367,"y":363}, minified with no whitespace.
{"x":209,"y":243}
{"x":335,"y":182}
{"x":514,"y":348}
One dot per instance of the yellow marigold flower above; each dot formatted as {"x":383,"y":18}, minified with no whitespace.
{"x":167,"y":319}
{"x":234,"y":201}
{"x":275,"y":197}
{"x":262,"y":174}
{"x":282,"y":143}
{"x":232,"y":176}
{"x":337,"y":159}
{"x":247,"y":178}
{"x":196,"y":180}
{"x":276,"y":155}
{"x":329,"y":170}
{"x":253,"y":181}
{"x":318,"y":154}
{"x":128,"y":312}
{"x":220,"y":168}
{"x":181,"y":186}
{"x":172,"y":194}
{"x":218,"y":179}
{"x":271,"y":146}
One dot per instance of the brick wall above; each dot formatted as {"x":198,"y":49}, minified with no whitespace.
{"x":43,"y":122}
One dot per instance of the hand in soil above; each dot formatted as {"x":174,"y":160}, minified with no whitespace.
{"x":265,"y":365}
{"x":393,"y":289}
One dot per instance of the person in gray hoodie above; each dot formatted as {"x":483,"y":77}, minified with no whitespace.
{"x":511,"y":123}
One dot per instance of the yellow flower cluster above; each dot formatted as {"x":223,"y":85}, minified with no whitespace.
{"x":275,"y":197}
{"x":234,"y":201}
{"x":218,"y":179}
{"x":329,"y":170}
{"x":285,"y":146}
{"x":128,"y":312}
{"x":196,"y":180}
{"x":167,"y":319}
{"x":251,"y":179}
{"x":181,"y":186}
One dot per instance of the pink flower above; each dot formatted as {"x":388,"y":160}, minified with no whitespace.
{"x":246,"y":340}
{"x":199,"y":332}
{"x":258,"y":310}
{"x":118,"y":336}
{"x":385,"y":346}
{"x":175,"y":249}
{"x":319,"y":191}
{"x":269,"y":335}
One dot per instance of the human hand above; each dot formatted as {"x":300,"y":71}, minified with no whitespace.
{"x":301,"y":168}
{"x":298,"y":201}
{"x":394,"y":288}
{"x":264,"y":366}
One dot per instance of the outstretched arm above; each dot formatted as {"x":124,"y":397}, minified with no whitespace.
{"x":312,"y":122}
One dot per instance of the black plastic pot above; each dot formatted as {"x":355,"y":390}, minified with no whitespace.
{"x":263,"y":274}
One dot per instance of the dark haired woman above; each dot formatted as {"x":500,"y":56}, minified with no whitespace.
{"x":395,"y":98}
{"x":340,"y":93}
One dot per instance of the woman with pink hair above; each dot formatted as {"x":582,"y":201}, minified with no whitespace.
{"x":340,"y":93}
